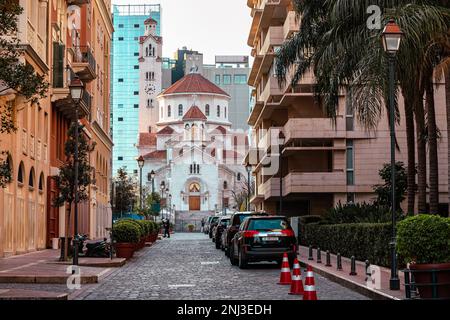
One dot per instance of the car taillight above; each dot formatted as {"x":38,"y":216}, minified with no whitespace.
{"x":288,"y":233}
{"x":250,"y":234}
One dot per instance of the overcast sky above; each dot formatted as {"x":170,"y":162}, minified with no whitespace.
{"x":213,"y":27}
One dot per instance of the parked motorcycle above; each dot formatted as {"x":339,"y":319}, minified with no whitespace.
{"x":98,"y":249}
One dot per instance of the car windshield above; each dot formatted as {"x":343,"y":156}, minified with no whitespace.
{"x":224,"y":222}
{"x":242,"y":217}
{"x":214,"y":219}
{"x":268,"y":224}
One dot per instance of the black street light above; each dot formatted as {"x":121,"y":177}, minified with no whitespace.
{"x":170,"y":205}
{"x":141,"y":163}
{"x":248,"y":167}
{"x":162,"y":187}
{"x":76,"y":88}
{"x":152,"y":177}
{"x":223,"y":197}
{"x":391,"y":39}
{"x":281,"y":140}
{"x":167,"y":198}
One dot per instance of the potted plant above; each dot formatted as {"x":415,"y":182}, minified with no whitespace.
{"x":126,"y":236}
{"x":190,"y":227}
{"x":424,"y":242}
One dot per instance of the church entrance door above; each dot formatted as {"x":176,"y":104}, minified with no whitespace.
{"x":194,"y":203}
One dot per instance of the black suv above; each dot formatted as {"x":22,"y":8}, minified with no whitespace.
{"x":263,"y":239}
{"x":235,"y":221}
{"x":212,"y":224}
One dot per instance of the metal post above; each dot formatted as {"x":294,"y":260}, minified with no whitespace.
{"x":153,"y":186}
{"x":394,"y":282}
{"x":140,"y":188}
{"x":328,"y":264}
{"x":353,"y":266}
{"x":248,"y":188}
{"x":319,"y":256}
{"x":223,"y":201}
{"x":75,"y":159}
{"x":281,"y":185}
{"x":339,"y":261}
{"x":310,"y":253}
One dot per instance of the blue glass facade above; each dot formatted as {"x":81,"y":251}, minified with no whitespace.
{"x":128,"y":27}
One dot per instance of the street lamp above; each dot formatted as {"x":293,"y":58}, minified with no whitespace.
{"x":167,"y":198}
{"x":391,"y":39}
{"x":170,"y":205}
{"x":76,"y":88}
{"x":162,"y":187}
{"x":223,"y":197}
{"x":248,"y":167}
{"x":152,"y":176}
{"x":140,"y":162}
{"x":281,"y":140}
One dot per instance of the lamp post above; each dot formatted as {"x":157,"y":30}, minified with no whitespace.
{"x":141,"y":162}
{"x":76,"y":88}
{"x":162,"y":187}
{"x":391,"y":39}
{"x":167,"y":198}
{"x":152,"y":177}
{"x":223,"y":197}
{"x":170,"y":205}
{"x":248,"y":167}
{"x":281,"y":140}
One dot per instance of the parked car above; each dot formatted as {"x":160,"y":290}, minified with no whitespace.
{"x":212,"y":224}
{"x":235,"y":221}
{"x":263,"y":238}
{"x":218,"y":230}
{"x":206,"y":227}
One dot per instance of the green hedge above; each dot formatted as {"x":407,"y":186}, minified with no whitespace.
{"x":126,"y":232}
{"x":362,"y":240}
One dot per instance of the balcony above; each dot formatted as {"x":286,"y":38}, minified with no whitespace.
{"x":84,"y":64}
{"x":314,"y":128}
{"x":291,"y":25}
{"x":67,"y":107}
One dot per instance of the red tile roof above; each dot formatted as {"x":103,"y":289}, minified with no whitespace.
{"x":194,"y":83}
{"x":158,"y":154}
{"x":150,"y":20}
{"x":166,"y":130}
{"x":221,"y":129}
{"x":194,"y":113}
{"x":147,"y":139}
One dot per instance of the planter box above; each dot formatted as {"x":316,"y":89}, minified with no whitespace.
{"x":430,"y":277}
{"x":125,"y":250}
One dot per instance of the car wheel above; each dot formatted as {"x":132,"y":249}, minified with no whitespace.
{"x":233,"y":260}
{"x":217,"y":244}
{"x":227,"y":252}
{"x":242,"y":260}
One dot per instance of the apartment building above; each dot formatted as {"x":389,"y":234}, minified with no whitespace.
{"x":322,"y":163}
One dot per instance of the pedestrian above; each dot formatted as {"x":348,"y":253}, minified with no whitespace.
{"x":166,"y":225}
{"x":203,"y":224}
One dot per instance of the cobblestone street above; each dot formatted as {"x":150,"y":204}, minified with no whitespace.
{"x":187,"y":266}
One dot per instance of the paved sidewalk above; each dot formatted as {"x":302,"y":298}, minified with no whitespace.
{"x":356,"y":282}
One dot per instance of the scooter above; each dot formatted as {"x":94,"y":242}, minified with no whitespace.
{"x":98,"y":249}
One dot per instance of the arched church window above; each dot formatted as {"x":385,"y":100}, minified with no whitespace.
{"x":180,"y":110}
{"x":20,"y":174}
{"x":193,"y":131}
{"x":186,"y":126}
{"x":238,"y":177}
{"x":194,"y":187}
{"x":225,"y":112}
{"x":31,"y":178}
{"x":207,"y":109}
{"x":150,"y":49}
{"x":146,"y":52}
{"x":41,"y":182}
{"x":153,"y":52}
{"x":169,"y":110}
{"x":218,"y":111}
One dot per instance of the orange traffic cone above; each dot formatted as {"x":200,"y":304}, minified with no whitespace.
{"x":310,"y":288}
{"x":285,"y":275}
{"x":297,"y":284}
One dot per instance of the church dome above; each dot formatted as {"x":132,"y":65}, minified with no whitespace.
{"x":194,"y":83}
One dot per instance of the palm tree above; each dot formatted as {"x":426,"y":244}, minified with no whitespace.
{"x":336,"y":44}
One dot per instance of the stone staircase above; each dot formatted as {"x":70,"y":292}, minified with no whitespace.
{"x":184,"y":218}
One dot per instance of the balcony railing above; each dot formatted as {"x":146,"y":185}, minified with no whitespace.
{"x":84,"y":63}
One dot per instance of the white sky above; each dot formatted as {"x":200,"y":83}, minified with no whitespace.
{"x":213,"y":27}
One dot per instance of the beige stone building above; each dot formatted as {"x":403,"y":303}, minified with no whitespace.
{"x":321,"y":164}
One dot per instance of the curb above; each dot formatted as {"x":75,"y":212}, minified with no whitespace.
{"x":352,"y":285}
{"x":45,"y":279}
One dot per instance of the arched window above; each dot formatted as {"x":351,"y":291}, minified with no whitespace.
{"x":218,"y":111}
{"x":31,"y":178}
{"x":180,"y":109}
{"x":238,"y":177}
{"x":225,"y":112}
{"x":21,"y":174}
{"x":41,"y":182}
{"x":194,"y":187}
{"x":146,"y":52}
{"x":153,"y":52}
{"x":150,"y":49}
{"x":207,"y":109}
{"x":162,"y":112}
{"x":186,"y":126}
{"x":169,"y":111}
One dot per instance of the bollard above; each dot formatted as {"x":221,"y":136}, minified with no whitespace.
{"x":328,"y":259}
{"x":368,"y":274}
{"x":310,"y":253}
{"x":319,"y":256}
{"x":339,"y":262}
{"x":353,"y":267}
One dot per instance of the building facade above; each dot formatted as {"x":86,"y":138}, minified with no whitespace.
{"x":321,"y":164}
{"x":128,"y":28}
{"x":194,"y":153}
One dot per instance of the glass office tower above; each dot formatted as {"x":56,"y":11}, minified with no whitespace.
{"x":128,"y":27}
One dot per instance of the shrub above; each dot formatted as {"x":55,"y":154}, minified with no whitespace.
{"x":424,"y":239}
{"x":359,"y":213}
{"x":140,"y":227}
{"x":126,"y":232}
{"x":362,"y":240}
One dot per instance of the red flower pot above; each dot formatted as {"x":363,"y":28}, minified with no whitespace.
{"x":425,"y":277}
{"x":125,"y":250}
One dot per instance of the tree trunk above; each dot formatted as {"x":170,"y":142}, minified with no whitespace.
{"x":447,"y":104}
{"x":411,"y":147}
{"x":421,"y":158}
{"x":432,"y":148}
